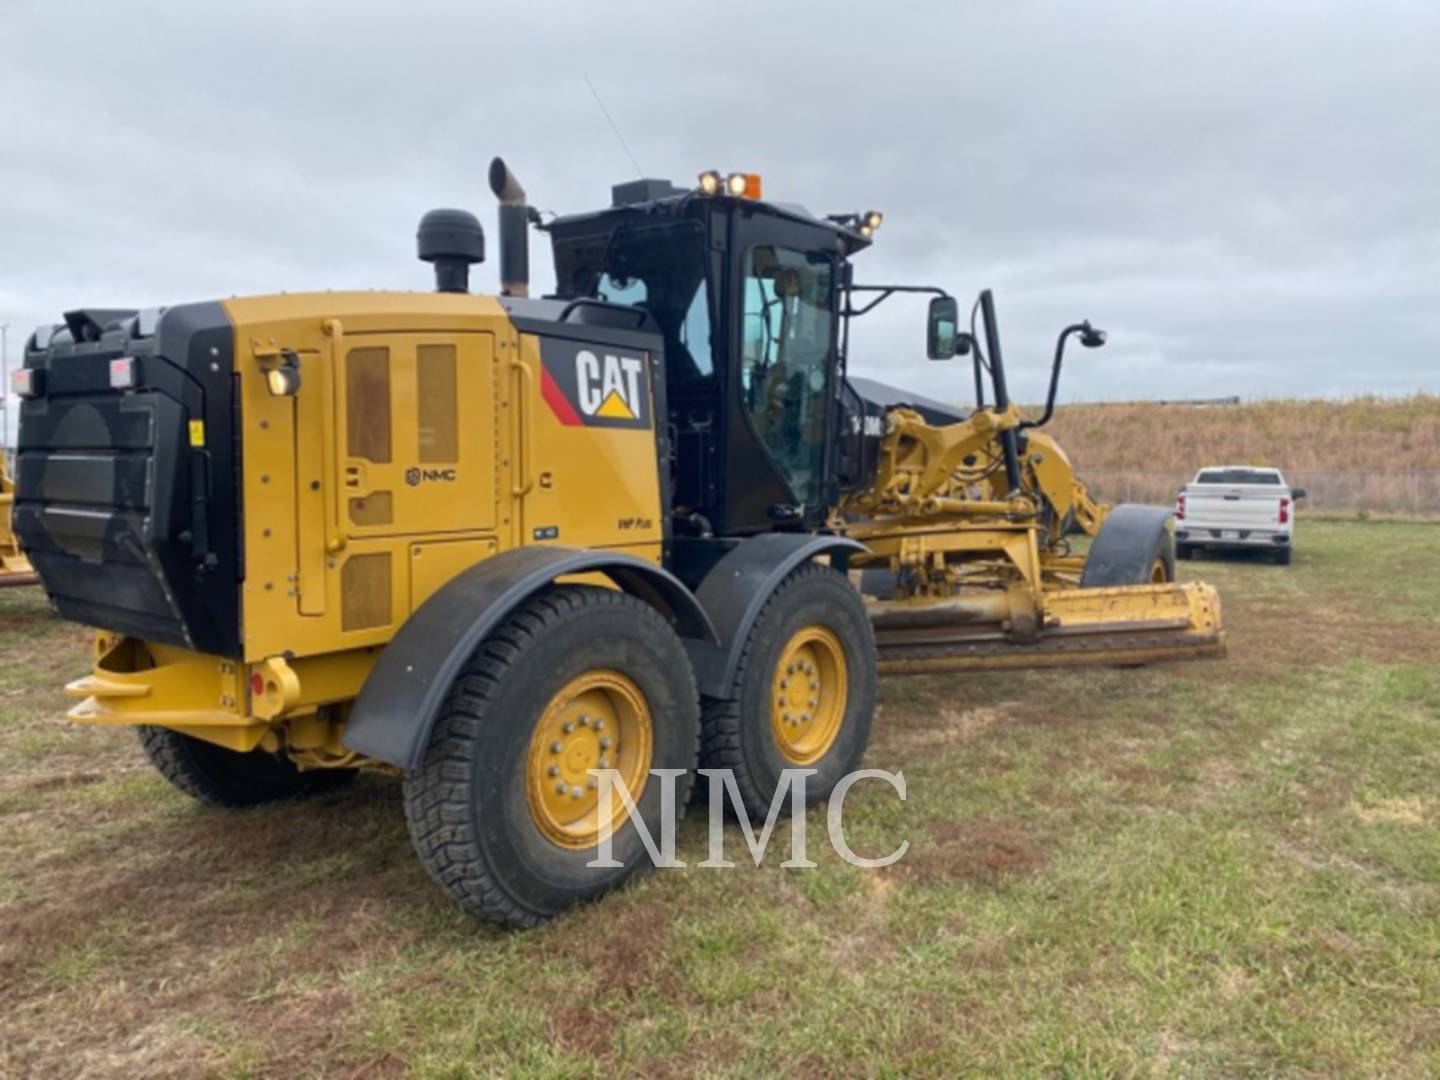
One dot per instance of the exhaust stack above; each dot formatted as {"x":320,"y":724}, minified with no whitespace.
{"x":515,"y":217}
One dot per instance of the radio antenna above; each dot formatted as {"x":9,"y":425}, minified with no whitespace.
{"x":611,"y":121}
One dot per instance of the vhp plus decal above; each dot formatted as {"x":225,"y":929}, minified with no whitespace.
{"x":595,"y":385}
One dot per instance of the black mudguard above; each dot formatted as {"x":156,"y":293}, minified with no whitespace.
{"x":1128,"y":544}
{"x":397,"y":706}
{"x":735,"y":590}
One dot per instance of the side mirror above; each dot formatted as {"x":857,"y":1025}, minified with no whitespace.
{"x":1297,"y":493}
{"x":942,"y":329}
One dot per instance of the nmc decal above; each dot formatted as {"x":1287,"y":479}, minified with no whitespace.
{"x":595,"y":385}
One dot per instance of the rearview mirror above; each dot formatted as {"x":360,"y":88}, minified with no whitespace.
{"x":943,"y":326}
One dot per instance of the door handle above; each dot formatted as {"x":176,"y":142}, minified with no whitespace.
{"x":524,"y":450}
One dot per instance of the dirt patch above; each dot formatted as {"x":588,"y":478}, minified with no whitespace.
{"x":1405,"y":811}
{"x":583,"y":1029}
{"x":1136,"y":773}
{"x":919,"y":730}
{"x":982,"y":852}
{"x":64,"y":780}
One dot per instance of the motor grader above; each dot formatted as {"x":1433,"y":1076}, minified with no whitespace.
{"x":502,"y":544}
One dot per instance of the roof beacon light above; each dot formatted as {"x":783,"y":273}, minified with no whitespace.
{"x":710,"y":182}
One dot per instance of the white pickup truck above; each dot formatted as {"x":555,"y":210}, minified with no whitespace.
{"x":1237,"y":506}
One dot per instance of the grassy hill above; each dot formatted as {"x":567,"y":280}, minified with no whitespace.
{"x":1367,"y":454}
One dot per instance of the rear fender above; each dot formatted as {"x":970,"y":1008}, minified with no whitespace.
{"x":735,"y":590}
{"x":397,"y":706}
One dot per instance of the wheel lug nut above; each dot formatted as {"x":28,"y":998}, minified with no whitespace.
{"x":804,"y":717}
{"x":584,"y":720}
{"x":576,"y":792}
{"x":603,"y":763}
{"x":814,"y":701}
{"x":554,"y":770}
{"x":605,"y":742}
{"x":560,"y":788}
{"x":556,"y":746}
{"x":569,"y":727}
{"x":784,"y":684}
{"x":598,"y":724}
{"x":594,"y":783}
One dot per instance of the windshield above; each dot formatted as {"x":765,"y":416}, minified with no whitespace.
{"x":1237,"y":476}
{"x":659,"y":268}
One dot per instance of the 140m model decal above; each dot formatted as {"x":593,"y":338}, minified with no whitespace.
{"x":595,"y":386}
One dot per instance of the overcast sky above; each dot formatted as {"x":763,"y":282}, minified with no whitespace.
{"x":1245,"y":195}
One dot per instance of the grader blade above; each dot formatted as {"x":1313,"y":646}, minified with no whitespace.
{"x":1132,"y":624}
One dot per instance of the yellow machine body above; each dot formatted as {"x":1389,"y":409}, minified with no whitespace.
{"x":420,"y":443}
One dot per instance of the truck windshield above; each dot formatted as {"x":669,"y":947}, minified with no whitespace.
{"x":1237,"y":476}
{"x":660,"y":268}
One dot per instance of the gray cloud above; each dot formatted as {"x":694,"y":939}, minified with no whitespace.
{"x":1243,"y":194}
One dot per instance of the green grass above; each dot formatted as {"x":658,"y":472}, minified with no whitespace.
{"x":1217,"y":868}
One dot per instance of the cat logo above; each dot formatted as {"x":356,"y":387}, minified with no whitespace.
{"x":608,"y":386}
{"x":595,"y":386}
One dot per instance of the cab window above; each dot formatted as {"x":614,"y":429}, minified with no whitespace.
{"x":786,"y":344}
{"x":658,"y":268}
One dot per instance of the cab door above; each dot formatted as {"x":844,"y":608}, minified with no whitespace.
{"x":416,"y":427}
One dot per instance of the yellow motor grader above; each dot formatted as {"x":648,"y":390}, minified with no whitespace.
{"x":506,"y":545}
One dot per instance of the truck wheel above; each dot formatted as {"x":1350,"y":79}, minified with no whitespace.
{"x":1134,"y":547}
{"x":1282,"y":556}
{"x":803,"y":695}
{"x":1184,"y":551}
{"x":221,"y":777}
{"x":502,"y":811}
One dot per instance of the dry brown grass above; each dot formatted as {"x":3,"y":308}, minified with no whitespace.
{"x":1376,"y":455}
{"x":1368,"y":434}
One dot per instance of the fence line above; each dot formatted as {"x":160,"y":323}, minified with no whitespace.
{"x":1415,"y":492}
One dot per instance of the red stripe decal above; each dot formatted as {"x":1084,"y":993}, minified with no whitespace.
{"x":555,"y":398}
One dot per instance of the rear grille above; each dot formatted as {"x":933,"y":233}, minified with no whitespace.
{"x":116,"y":510}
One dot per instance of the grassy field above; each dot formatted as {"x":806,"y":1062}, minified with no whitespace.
{"x":1221,"y":868}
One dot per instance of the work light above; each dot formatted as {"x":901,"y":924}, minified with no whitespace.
{"x":710,"y":182}
{"x":284,"y":381}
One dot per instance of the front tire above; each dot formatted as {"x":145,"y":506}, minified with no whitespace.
{"x":501,"y":811}
{"x":803,"y":696}
{"x":228,"y":778}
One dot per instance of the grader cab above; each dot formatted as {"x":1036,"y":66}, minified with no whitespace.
{"x":510,"y":547}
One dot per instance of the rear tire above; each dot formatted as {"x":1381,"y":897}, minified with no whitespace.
{"x":220,"y":777}
{"x":813,"y":613}
{"x":1184,"y":551}
{"x":483,"y":816}
{"x":1282,"y":557}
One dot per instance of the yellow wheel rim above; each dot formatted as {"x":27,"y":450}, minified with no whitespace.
{"x":598,"y":720}
{"x":807,"y":695}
